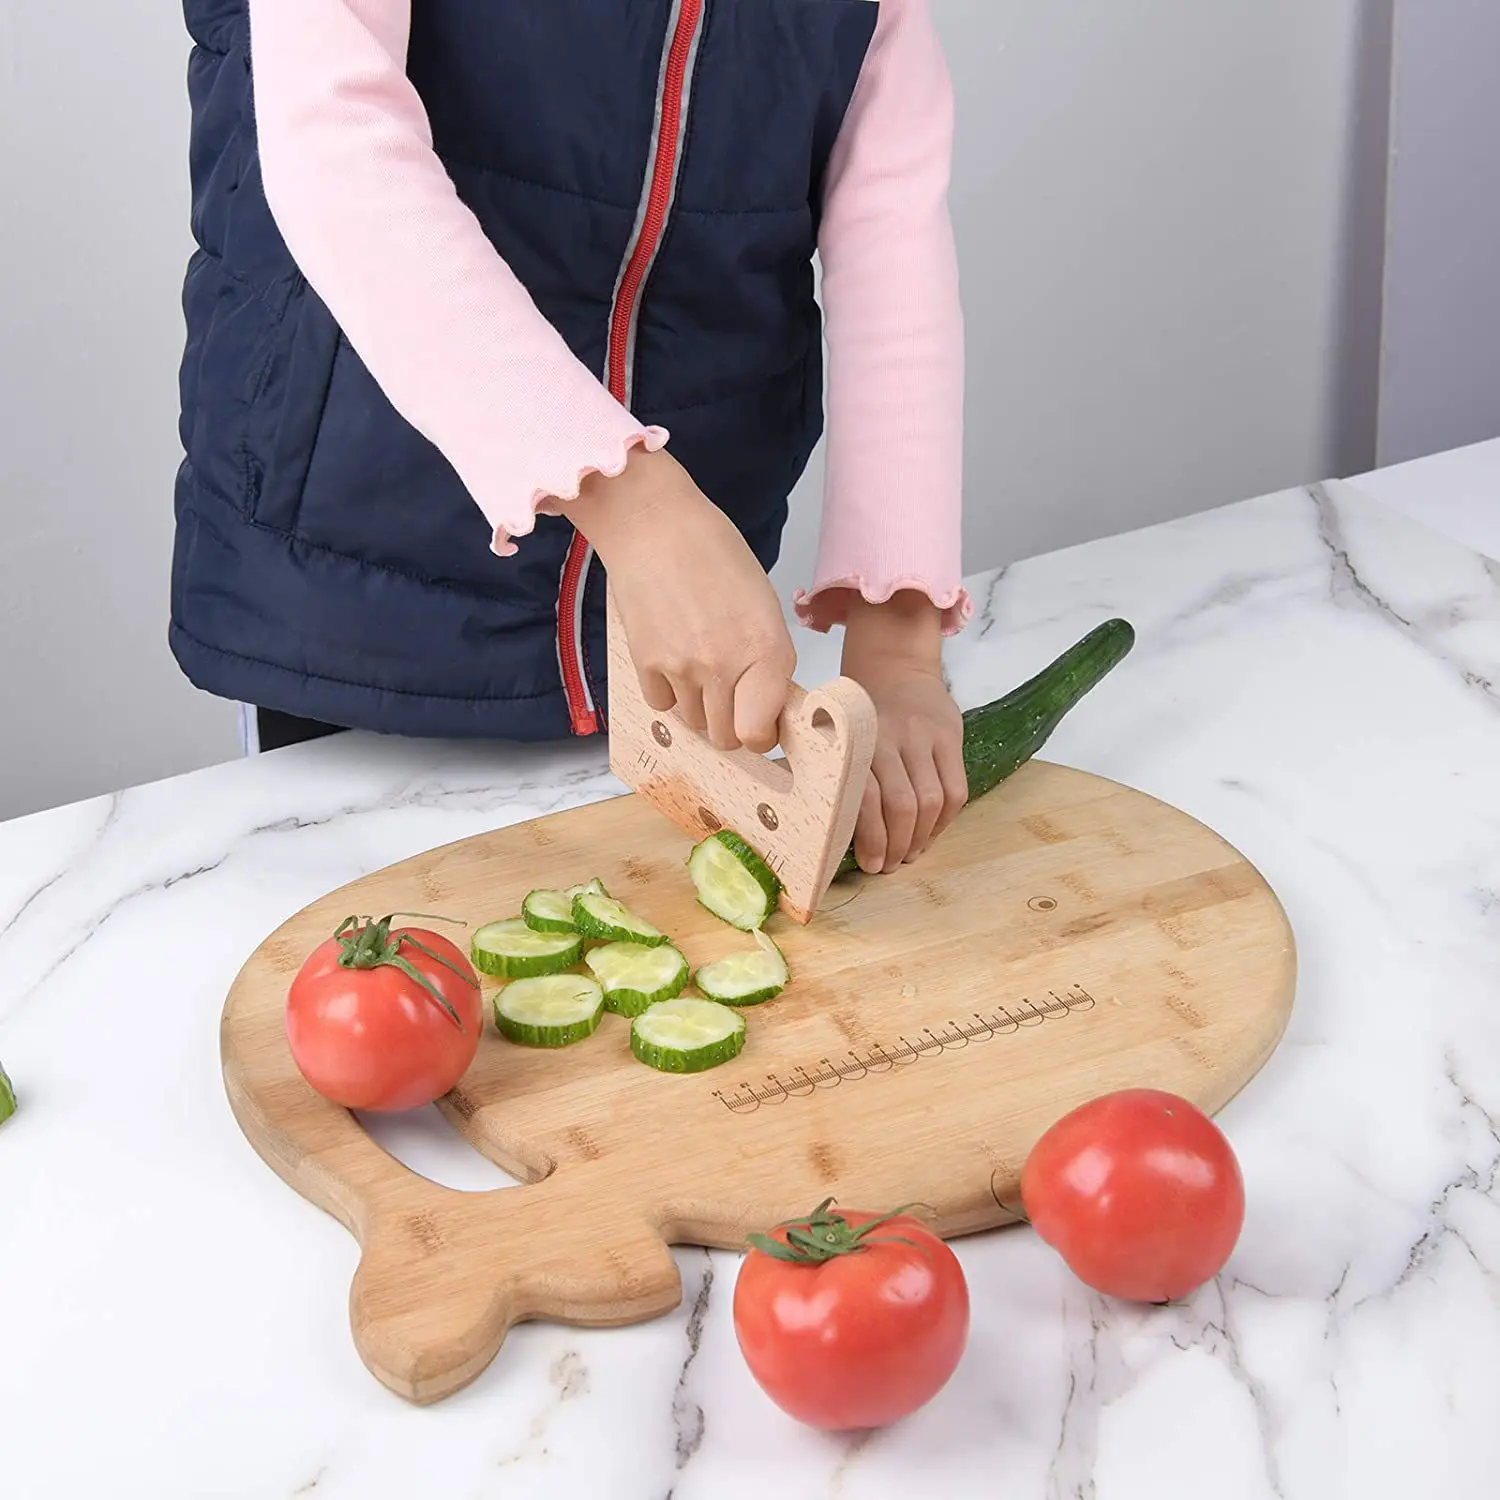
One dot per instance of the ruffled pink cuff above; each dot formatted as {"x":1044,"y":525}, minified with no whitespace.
{"x":827,"y":605}
{"x":549,"y":500}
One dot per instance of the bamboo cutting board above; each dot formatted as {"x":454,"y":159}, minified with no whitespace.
{"x":1066,"y":937}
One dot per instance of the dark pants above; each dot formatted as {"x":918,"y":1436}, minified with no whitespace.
{"x":277,"y":729}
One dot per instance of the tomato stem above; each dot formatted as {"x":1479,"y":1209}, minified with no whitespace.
{"x":824,"y":1235}
{"x":365,"y":943}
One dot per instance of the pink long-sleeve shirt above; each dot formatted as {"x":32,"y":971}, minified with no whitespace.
{"x":453,"y":338}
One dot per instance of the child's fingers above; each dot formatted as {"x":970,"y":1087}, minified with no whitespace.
{"x":759,"y":698}
{"x":718,"y":708}
{"x":927,"y":787}
{"x":690,"y":704}
{"x":948,"y":756}
{"x":869,"y":830}
{"x":656,"y":690}
{"x":898,"y":806}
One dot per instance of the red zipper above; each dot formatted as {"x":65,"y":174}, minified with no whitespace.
{"x":581,"y":714}
{"x":584,"y":718}
{"x":662,"y":172}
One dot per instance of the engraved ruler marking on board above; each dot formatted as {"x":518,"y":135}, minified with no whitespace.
{"x":877,"y":1058}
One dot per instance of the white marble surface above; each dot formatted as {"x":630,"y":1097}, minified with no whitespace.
{"x":1457,"y":493}
{"x":1316,"y":677}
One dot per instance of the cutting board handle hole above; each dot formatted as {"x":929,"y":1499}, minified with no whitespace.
{"x":424,"y":1141}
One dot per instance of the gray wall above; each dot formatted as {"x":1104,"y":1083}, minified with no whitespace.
{"x":1169,"y":217}
{"x":1158,"y":205}
{"x":1440,"y":379}
{"x":93,"y":241}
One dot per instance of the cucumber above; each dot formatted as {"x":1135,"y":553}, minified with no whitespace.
{"x":554,"y":1010}
{"x":606,"y":920}
{"x":733,"y":881}
{"x":1002,"y":736}
{"x":511,"y":950}
{"x":633,"y":976}
{"x":687,"y":1036}
{"x":7,"y":1098}
{"x":552,"y":911}
{"x":745,"y":978}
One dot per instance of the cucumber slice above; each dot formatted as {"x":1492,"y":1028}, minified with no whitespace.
{"x":687,"y":1036}
{"x":554,"y":1010}
{"x":552,"y":911}
{"x":733,"y":881}
{"x":7,"y":1097}
{"x":634,"y":976}
{"x":609,"y":921}
{"x":745,"y":978}
{"x":511,"y":950}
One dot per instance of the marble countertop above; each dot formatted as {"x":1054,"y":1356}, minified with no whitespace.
{"x":1317,"y":677}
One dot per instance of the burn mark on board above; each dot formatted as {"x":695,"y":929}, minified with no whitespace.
{"x":848,"y":1025}
{"x":424,"y":1229}
{"x":1192,"y":1049}
{"x":1184,"y":1009}
{"x":1087,"y":925}
{"x":1072,"y":881}
{"x":1043,"y":829}
{"x":823,"y":1160}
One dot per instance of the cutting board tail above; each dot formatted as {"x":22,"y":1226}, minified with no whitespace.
{"x":444,"y":1278}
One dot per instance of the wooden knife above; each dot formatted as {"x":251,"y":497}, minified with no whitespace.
{"x":797,"y":813}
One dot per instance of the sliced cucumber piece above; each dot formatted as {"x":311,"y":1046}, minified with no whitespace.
{"x":606,"y":920}
{"x":554,"y":1010}
{"x":7,"y":1097}
{"x":687,"y":1036}
{"x":511,"y":950}
{"x":745,"y":978}
{"x":634,"y":976}
{"x":733,"y":881}
{"x":552,"y":911}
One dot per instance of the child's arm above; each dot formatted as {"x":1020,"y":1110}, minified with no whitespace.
{"x":374,"y":223}
{"x":889,"y":566}
{"x":462,"y":352}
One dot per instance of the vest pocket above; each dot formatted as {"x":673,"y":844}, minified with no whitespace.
{"x":286,"y":410}
{"x":376,"y":490}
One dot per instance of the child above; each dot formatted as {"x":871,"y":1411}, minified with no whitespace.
{"x":486,"y":289}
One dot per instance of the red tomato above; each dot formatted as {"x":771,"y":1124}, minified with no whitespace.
{"x":858,"y":1331}
{"x":1139,"y":1192}
{"x":368,"y":1035}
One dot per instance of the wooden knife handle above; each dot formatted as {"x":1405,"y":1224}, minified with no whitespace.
{"x":798,"y":814}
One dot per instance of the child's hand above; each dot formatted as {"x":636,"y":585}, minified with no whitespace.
{"x":917,"y":782}
{"x":706,"y":629}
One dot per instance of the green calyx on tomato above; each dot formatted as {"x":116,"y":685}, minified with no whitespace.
{"x":824,"y":1236}
{"x":367,"y":944}
{"x":851,"y":1321}
{"x":370,"y":1015}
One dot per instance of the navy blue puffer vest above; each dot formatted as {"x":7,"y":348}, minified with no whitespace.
{"x":328,"y":561}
